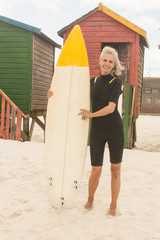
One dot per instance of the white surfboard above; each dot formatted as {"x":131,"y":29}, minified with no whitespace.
{"x":66,"y":132}
{"x":120,"y":102}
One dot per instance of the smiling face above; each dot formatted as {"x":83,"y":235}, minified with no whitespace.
{"x":106,"y":63}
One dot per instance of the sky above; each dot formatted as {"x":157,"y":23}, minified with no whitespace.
{"x":52,"y":15}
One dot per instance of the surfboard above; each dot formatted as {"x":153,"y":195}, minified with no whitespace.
{"x":120,"y":102}
{"x":66,"y":133}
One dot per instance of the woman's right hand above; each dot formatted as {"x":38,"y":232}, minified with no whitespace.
{"x":49,"y":94}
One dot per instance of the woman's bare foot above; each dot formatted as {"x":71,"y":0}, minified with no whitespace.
{"x":89,"y":204}
{"x":112,"y":210}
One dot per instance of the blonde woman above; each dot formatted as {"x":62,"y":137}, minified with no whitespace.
{"x":106,"y":125}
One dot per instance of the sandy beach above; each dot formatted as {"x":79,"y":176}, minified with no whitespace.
{"x":26,"y":213}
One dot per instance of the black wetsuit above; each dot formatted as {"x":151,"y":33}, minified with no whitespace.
{"x":107,"y":128}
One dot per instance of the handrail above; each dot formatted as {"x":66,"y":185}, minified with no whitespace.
{"x":10,"y":114}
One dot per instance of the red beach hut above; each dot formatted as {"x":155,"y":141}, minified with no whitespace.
{"x":101,"y":27}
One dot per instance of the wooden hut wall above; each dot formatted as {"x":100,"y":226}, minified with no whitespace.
{"x":43,"y":68}
{"x":16,"y":64}
{"x":140,"y":75}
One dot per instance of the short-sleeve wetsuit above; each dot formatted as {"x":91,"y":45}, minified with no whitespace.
{"x":108,"y":128}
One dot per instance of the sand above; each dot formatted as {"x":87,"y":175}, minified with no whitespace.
{"x":26,"y":212}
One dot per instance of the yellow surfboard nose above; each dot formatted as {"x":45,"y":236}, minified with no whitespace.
{"x":74,"y":50}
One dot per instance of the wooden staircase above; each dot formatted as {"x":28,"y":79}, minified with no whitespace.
{"x":11,"y":118}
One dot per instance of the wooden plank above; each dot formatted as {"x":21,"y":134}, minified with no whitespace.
{"x":95,"y":45}
{"x":13,"y":55}
{"x":42,"y":74}
{"x":26,"y":127}
{"x":107,"y":34}
{"x":18,"y":126}
{"x":15,"y":45}
{"x":42,"y":89}
{"x":110,"y":39}
{"x":31,"y":128}
{"x":95,"y":23}
{"x":41,"y":43}
{"x":13,"y":124}
{"x":44,"y":59}
{"x":12,"y":34}
{"x":24,"y":137}
{"x":94,"y":51}
{"x":2,"y":113}
{"x":48,"y":66}
{"x":33,"y":114}
{"x":7,"y":87}
{"x":13,"y":65}
{"x":93,"y":56}
{"x":41,"y":98}
{"x":11,"y":28}
{"x":15,"y":60}
{"x":108,"y":28}
{"x":46,"y":49}
{"x":41,"y":78}
{"x":40,"y":102}
{"x":2,"y":133}
{"x":40,"y":123}
{"x":41,"y":71}
{"x":13,"y":71}
{"x":40,"y":49}
{"x":8,"y":120}
{"x":49,"y":57}
{"x":14,"y":50}
{"x":40,"y":107}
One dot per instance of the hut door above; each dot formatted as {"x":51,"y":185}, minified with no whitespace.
{"x":124,"y":56}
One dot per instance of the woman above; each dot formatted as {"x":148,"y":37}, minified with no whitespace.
{"x":106,"y":125}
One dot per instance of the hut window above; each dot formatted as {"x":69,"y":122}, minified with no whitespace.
{"x":154,"y":90}
{"x":149,"y":99}
{"x":147,"y":90}
{"x":158,"y":100}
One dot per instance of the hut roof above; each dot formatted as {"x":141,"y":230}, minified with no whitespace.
{"x":28,"y":28}
{"x":112,"y":14}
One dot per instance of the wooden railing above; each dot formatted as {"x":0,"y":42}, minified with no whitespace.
{"x":9,"y":127}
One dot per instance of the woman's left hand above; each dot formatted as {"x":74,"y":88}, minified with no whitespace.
{"x":85,"y":114}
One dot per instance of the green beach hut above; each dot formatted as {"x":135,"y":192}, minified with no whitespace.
{"x":27,"y":58}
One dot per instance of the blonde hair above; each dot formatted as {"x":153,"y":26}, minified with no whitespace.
{"x":118,"y":68}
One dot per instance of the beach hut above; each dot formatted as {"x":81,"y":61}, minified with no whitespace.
{"x":26,"y":68}
{"x":101,"y":27}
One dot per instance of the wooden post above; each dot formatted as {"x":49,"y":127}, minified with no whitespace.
{"x":32,"y":128}
{"x":18,"y":127}
{"x":8,"y":120}
{"x":2,"y":114}
{"x":26,"y":127}
{"x":13,"y":125}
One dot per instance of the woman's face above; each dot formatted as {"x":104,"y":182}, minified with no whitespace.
{"x":106,"y":64}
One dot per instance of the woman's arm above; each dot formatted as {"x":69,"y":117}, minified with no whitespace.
{"x":102,"y":112}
